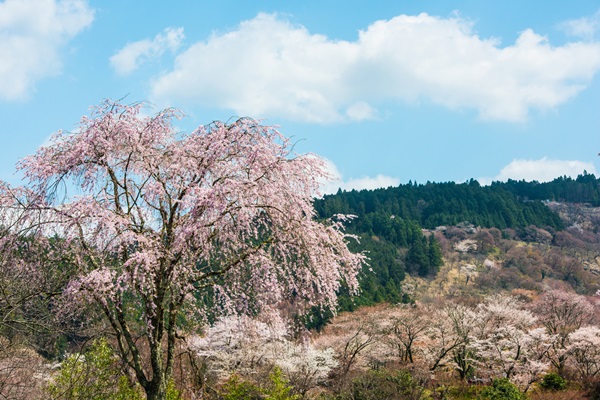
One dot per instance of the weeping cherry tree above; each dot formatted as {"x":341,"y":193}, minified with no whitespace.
{"x":166,"y":228}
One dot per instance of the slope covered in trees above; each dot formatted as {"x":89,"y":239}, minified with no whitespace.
{"x":389,"y":224}
{"x":435,"y":204}
{"x":583,"y":189}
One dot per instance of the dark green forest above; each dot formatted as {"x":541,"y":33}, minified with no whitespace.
{"x":435,"y":204}
{"x":583,"y":189}
{"x":389,"y":222}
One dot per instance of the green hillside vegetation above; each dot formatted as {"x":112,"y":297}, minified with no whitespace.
{"x":583,"y":189}
{"x":389,"y":226}
{"x":435,"y":204}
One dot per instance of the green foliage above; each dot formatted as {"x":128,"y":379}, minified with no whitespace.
{"x":460,"y":392}
{"x":383,"y":385}
{"x":435,"y":253}
{"x":502,"y":389}
{"x":553,"y":381}
{"x":277,"y":389}
{"x":381,"y":279}
{"x":94,"y":375}
{"x":389,"y":225}
{"x":126,"y":391}
{"x":172,"y":392}
{"x":584,"y":189}
{"x":237,"y":389}
{"x":391,"y":252}
{"x":424,"y":256}
{"x":435,"y":204}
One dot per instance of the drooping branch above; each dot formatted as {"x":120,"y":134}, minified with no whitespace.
{"x":165,"y":220}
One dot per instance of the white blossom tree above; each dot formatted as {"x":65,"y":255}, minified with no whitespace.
{"x":584,"y":351}
{"x":562,"y":313}
{"x":244,"y":345}
{"x":447,"y":337}
{"x":508,"y":343}
{"x":408,"y":326}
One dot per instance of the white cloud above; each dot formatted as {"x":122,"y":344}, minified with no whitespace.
{"x":269,"y":67}
{"x":586,"y":27}
{"x":379,"y":181}
{"x":542,"y":170}
{"x":32,"y":35}
{"x":360,"y":111}
{"x":129,"y":58}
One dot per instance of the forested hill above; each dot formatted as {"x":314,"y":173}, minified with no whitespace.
{"x":389,"y":223}
{"x":584,"y":189}
{"x":435,"y":204}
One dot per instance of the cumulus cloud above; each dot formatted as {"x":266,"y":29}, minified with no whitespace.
{"x":585,"y":27}
{"x":130,"y":57}
{"x":269,"y":67}
{"x":542,"y":170}
{"x":32,"y":35}
{"x":367,"y":182}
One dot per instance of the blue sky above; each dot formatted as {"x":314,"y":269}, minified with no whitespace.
{"x":387,"y":91}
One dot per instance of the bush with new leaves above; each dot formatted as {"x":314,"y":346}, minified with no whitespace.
{"x":93,"y":375}
{"x":385,"y":384}
{"x":553,"y":381}
{"x":502,"y":389}
{"x":277,"y":388}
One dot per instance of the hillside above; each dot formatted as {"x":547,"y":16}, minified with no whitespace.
{"x":537,"y":260}
{"x":444,"y":312}
{"x":407,"y":229}
{"x":436,"y":204}
{"x":583,"y":189}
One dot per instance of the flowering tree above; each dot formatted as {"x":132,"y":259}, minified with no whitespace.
{"x":165,"y":224}
{"x":239,"y":344}
{"x":409,"y":325}
{"x":562,"y":313}
{"x":584,"y":350}
{"x":447,"y":337}
{"x":507,"y":342}
{"x":243,"y":345}
{"x":356,"y":337}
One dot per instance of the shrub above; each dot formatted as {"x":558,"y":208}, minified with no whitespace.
{"x":237,"y":389}
{"x":502,"y":389}
{"x":277,"y":388}
{"x":94,"y":375}
{"x":384,"y":385}
{"x":553,"y":381}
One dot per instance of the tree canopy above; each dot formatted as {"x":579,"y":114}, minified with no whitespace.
{"x":164,"y":228}
{"x":435,"y":204}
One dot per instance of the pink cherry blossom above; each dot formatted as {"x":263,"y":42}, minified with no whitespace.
{"x":166,"y":223}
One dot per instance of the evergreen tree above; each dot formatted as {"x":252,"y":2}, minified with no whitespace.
{"x":435,"y":255}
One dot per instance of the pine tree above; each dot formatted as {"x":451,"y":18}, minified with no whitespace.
{"x":435,"y":255}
